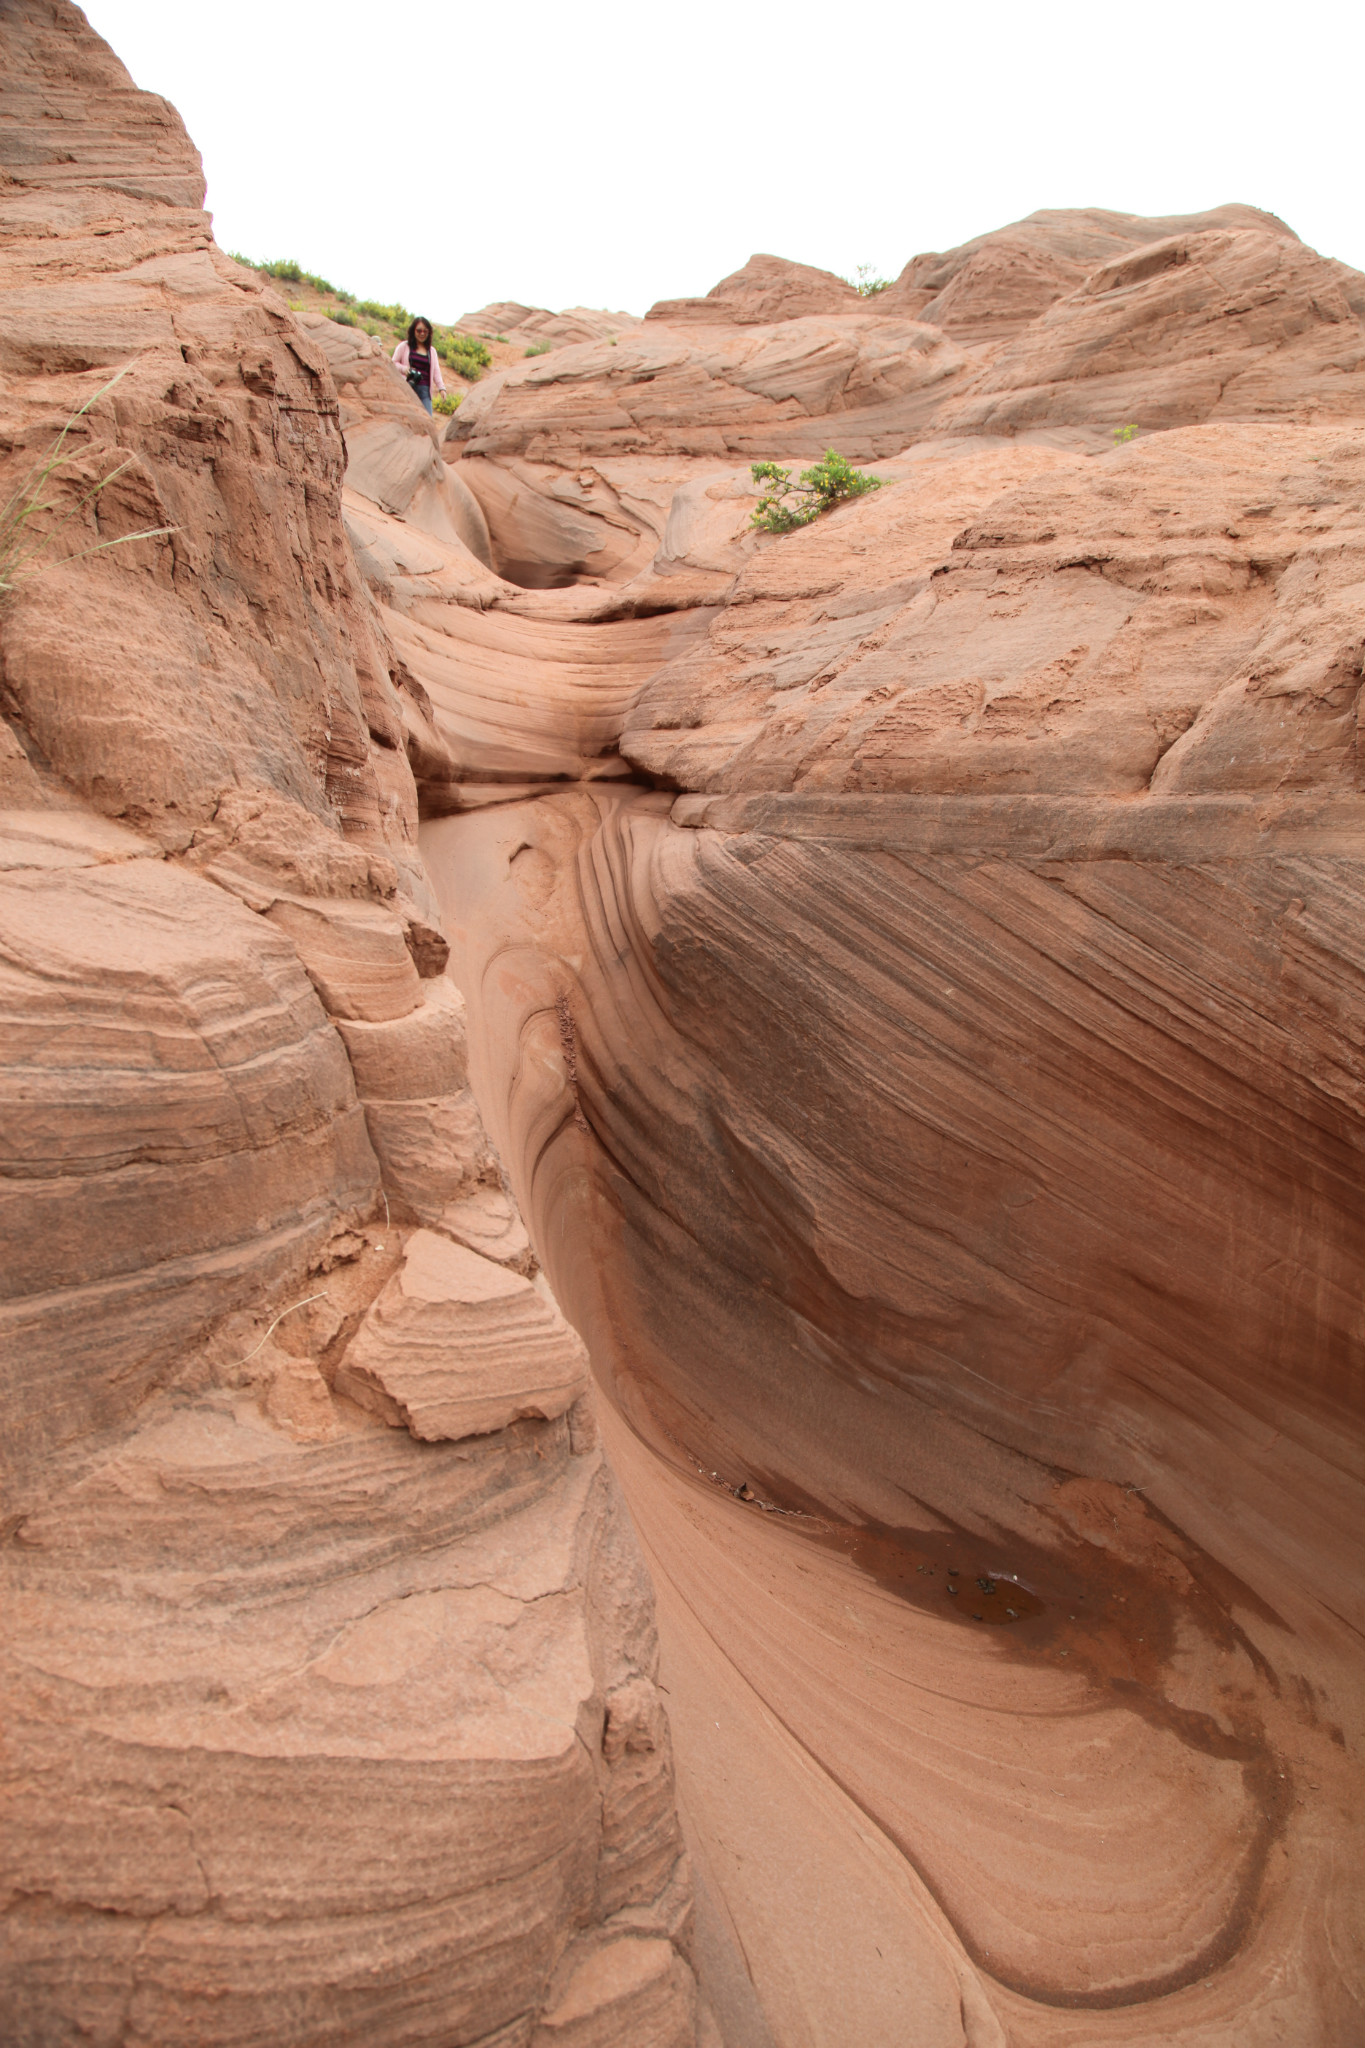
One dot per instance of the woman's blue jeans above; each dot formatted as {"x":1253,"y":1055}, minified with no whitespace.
{"x":424,"y":393}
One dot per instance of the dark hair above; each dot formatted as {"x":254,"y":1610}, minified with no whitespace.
{"x":420,"y":321}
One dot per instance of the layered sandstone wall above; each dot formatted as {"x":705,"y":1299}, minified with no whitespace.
{"x":911,"y":974}
{"x":330,"y":1675}
{"x":936,"y":1095}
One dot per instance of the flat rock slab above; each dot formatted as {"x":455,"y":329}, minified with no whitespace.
{"x":457,"y":1346}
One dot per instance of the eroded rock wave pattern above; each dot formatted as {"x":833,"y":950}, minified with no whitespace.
{"x":907,"y":977}
{"x":934,"y":1091}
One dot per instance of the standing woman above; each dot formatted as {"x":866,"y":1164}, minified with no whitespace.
{"x":418,"y":359}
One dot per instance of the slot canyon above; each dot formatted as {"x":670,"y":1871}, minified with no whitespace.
{"x":683,"y":1226}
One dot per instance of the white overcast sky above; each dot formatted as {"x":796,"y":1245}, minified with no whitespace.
{"x":617,"y":153}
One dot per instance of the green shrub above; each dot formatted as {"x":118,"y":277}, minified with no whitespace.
{"x":866,"y":282}
{"x":446,"y":402}
{"x":286,"y":271}
{"x":293,"y":273}
{"x":787,"y":505}
{"x":395,"y":315}
{"x":1124,"y":434}
{"x":462,"y":353}
{"x":343,"y":317}
{"x":539,"y":348}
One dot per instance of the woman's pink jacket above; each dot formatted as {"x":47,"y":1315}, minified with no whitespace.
{"x":400,"y":356}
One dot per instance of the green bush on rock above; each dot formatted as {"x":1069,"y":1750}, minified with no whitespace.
{"x":392,"y":316}
{"x":787,"y":505}
{"x":866,"y":282}
{"x":286,"y":271}
{"x":462,"y":353}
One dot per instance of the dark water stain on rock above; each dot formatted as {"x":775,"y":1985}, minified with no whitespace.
{"x":980,"y":1585}
{"x":1114,"y":1621}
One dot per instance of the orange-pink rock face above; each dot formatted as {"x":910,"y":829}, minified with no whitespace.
{"x":910,"y":971}
{"x":329,"y":1662}
{"x":936,"y":1096}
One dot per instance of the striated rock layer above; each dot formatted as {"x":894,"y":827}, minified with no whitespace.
{"x":911,"y":971}
{"x":329,"y":1679}
{"x":935,"y":1093}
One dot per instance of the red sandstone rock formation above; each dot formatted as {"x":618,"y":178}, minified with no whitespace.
{"x":998,"y":283}
{"x":912,"y":978}
{"x":767,"y":289}
{"x":937,"y":1101}
{"x":539,"y":327}
{"x":329,"y":1676}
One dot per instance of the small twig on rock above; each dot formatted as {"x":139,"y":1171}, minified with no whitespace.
{"x":324,"y":1296}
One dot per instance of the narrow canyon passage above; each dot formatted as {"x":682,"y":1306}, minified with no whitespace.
{"x":938,"y":1109}
{"x":852,"y":1249}
{"x":894,"y":987}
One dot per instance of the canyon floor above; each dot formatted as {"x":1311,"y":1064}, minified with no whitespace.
{"x":683,"y":1209}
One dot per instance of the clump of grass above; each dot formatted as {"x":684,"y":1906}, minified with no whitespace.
{"x":286,"y":271}
{"x":539,"y":348}
{"x":22,"y":544}
{"x":446,"y":402}
{"x":1122,"y":435}
{"x":392,"y":316}
{"x":866,"y":282}
{"x":785,"y":506}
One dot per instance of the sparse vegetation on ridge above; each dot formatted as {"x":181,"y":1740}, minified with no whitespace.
{"x":465,"y":354}
{"x":287,"y":271}
{"x":866,"y":282}
{"x":786,"y":505}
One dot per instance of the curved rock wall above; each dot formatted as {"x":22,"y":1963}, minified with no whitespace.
{"x":910,"y":970}
{"x":936,"y":1097}
{"x":329,"y":1680}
